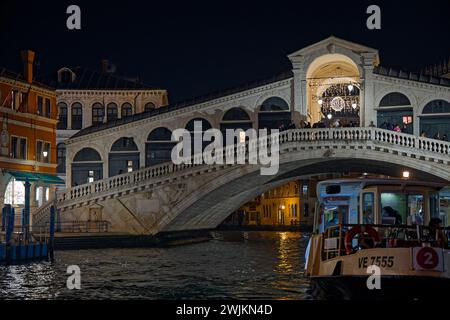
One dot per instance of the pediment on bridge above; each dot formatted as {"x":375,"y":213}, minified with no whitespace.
{"x":333,"y":45}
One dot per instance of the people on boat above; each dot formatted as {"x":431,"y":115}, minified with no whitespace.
{"x":435,"y":227}
{"x":388,"y":211}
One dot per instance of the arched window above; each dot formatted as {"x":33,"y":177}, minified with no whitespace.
{"x":236,"y":114}
{"x":77,"y":116}
{"x":111,"y":111}
{"x":87,"y":166}
{"x":61,"y":158}
{"x":395,"y":109}
{"x":437,"y":106}
{"x":159,"y":146}
{"x":234,"y":119}
{"x":98,"y":113}
{"x":274,"y":113}
{"x":123,"y":157}
{"x":149,"y":107}
{"x":127,"y":110}
{"x":394,"y":99}
{"x":435,"y":120}
{"x":62,"y":116}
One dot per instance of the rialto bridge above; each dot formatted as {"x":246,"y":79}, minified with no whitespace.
{"x":121,"y":172}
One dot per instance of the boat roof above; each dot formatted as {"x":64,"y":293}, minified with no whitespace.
{"x":372,"y":182}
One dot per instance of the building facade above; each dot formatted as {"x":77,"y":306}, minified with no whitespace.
{"x":88,"y":98}
{"x":28,"y":152}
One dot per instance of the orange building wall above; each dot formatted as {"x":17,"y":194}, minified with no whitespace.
{"x":29,"y":121}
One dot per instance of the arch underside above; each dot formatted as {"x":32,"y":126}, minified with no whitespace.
{"x":216,"y":205}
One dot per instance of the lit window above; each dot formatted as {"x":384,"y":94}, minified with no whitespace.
{"x":407,"y":119}
{"x":15,"y":193}
{"x":241,"y":137}
{"x":91,"y":176}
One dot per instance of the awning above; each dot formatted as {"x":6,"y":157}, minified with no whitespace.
{"x":36,"y":177}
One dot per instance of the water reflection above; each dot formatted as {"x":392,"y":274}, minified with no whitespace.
{"x":259,"y":265}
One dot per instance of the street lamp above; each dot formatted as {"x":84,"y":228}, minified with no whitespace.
{"x":406,"y":174}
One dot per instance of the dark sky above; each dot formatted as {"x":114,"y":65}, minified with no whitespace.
{"x":192,"y":47}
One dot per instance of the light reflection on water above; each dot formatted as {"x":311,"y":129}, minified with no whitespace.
{"x":261,"y":265}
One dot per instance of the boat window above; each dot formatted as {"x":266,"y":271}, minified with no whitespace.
{"x":368,"y":208}
{"x":415,"y":209}
{"x":434,"y":206}
{"x":333,"y":189}
{"x":333,"y":214}
{"x":400,"y":208}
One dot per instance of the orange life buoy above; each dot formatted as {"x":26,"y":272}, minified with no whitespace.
{"x":350,"y":234}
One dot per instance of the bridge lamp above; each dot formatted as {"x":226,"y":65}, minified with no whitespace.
{"x":329,"y":116}
{"x":354,"y":105}
{"x":406,"y":174}
{"x":350,"y":87}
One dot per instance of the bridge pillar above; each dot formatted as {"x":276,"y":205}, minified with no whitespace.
{"x":368,"y":112}
{"x":300,"y":86}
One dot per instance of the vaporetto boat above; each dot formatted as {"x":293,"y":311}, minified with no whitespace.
{"x":379,"y":238}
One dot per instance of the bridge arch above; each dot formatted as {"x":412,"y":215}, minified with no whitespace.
{"x":158,"y":146}
{"x":274,"y":113}
{"x":339,"y":69}
{"x":224,"y":195}
{"x":87,"y":166}
{"x":123,"y":156}
{"x":395,"y":108}
{"x":435,"y":119}
{"x":236,"y":118}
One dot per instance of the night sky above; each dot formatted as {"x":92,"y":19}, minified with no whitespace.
{"x":192,"y":47}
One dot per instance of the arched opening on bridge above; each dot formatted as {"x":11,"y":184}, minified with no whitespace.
{"x":87,"y":166}
{"x":395,"y":110}
{"x":205,"y":125}
{"x":123,"y":157}
{"x":158,"y":147}
{"x":235,"y":118}
{"x":435,"y":120}
{"x":274,"y":113}
{"x":333,"y":91}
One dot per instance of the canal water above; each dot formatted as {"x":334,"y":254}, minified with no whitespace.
{"x":235,"y":265}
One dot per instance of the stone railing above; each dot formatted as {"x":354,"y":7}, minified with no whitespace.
{"x":402,"y":142}
{"x":41,"y":216}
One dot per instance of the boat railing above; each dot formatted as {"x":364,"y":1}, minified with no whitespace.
{"x":391,"y":236}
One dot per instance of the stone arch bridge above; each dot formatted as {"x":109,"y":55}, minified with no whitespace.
{"x":169,"y":197}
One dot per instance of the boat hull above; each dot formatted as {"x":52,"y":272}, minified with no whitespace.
{"x":392,"y":288}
